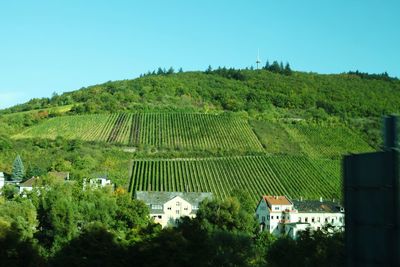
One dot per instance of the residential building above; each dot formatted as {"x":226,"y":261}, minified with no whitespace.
{"x":2,"y":180}
{"x":28,"y":184}
{"x":166,"y":208}
{"x":97,"y":182}
{"x":279,"y":215}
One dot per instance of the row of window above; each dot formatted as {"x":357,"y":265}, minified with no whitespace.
{"x":160,"y":207}
{"x":313,"y":220}
{"x":272,"y":217}
{"x":318,"y":219}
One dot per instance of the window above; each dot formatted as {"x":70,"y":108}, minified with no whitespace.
{"x":312,"y":219}
{"x":306,"y":219}
{"x":272,"y":217}
{"x":326,"y":220}
{"x":177,"y":211}
{"x":263,"y":218}
{"x":156,"y":207}
{"x":333,"y":220}
{"x":257,"y":216}
{"x":276,"y":208}
{"x":299,"y":219}
{"x":268,"y":217}
{"x":277,"y":217}
{"x":178,"y":203}
{"x":159,"y":216}
{"x":169,"y":208}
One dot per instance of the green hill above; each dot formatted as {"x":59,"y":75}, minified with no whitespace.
{"x":264,"y":132}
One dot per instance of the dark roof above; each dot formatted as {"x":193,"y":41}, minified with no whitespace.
{"x":30,"y":182}
{"x":153,"y":197}
{"x":317,"y":206}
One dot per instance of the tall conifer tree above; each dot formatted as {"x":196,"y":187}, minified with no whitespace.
{"x":18,"y":170}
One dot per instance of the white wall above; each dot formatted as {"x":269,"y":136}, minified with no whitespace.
{"x":173,"y":209}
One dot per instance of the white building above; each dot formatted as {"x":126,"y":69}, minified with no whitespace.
{"x":28,"y":184}
{"x":33,"y":182}
{"x":166,"y":208}
{"x":98,"y":182}
{"x":2,"y":180}
{"x":279,"y":215}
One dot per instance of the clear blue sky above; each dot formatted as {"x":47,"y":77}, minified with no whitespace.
{"x":57,"y":46}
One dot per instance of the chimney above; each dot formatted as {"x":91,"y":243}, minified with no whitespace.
{"x":320,"y":199}
{"x":301,"y":198}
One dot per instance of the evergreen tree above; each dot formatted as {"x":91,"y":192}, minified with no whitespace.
{"x":275,"y":67}
{"x":180,"y":70}
{"x":267,"y":65}
{"x":18,"y":170}
{"x":287,"y":70}
{"x":170,"y":71}
{"x":160,"y":71}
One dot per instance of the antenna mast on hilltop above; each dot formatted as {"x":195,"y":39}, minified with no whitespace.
{"x":258,"y":58}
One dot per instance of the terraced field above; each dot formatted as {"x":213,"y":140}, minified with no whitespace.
{"x":161,"y":130}
{"x":294,"y":176}
{"x":308,"y":139}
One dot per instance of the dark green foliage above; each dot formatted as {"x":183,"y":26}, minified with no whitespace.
{"x":95,"y":246}
{"x":18,"y":169}
{"x":9,"y":191}
{"x":16,"y":251}
{"x":364,"y":75}
{"x":226,"y":215}
{"x":312,"y":248}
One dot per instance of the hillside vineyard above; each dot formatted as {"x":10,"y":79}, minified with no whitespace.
{"x":294,"y":176}
{"x":161,"y":130}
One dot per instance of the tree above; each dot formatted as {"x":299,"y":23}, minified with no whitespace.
{"x":18,"y":169}
{"x":275,"y":67}
{"x":267,"y":65}
{"x":287,"y":70}
{"x":160,"y":71}
{"x":170,"y":71}
{"x":95,"y":246}
{"x":226,"y":215}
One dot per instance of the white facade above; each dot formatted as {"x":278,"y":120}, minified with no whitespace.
{"x":172,"y":211}
{"x":101,"y":182}
{"x":272,"y":214}
{"x":97,"y":183}
{"x":166,"y":208}
{"x":275,"y":215}
{"x":2,"y":180}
